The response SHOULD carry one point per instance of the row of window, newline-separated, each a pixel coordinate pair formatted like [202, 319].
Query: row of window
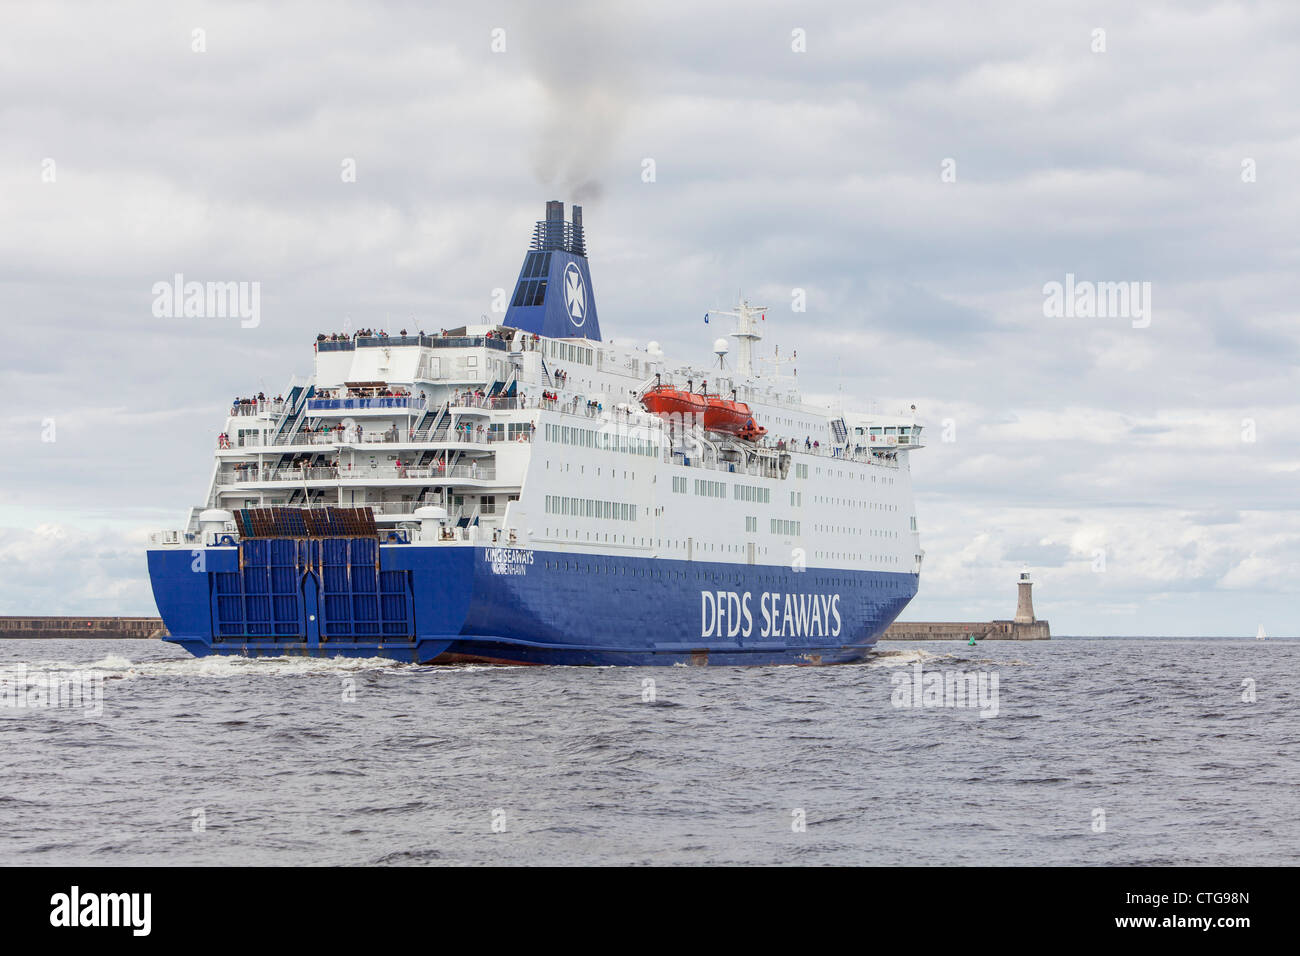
[781, 526]
[857, 556]
[752, 493]
[839, 473]
[710, 489]
[718, 489]
[568, 352]
[592, 438]
[889, 430]
[853, 503]
[512, 430]
[590, 508]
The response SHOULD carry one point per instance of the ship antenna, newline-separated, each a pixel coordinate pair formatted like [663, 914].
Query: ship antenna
[746, 333]
[776, 362]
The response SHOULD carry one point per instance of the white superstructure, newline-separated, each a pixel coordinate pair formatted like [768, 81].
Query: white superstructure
[543, 443]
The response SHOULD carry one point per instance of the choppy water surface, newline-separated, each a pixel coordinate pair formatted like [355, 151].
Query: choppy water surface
[581, 769]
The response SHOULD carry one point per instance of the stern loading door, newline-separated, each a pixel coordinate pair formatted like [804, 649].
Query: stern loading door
[359, 602]
[262, 598]
[309, 590]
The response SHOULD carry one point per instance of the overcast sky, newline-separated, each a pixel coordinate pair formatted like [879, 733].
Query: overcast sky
[922, 170]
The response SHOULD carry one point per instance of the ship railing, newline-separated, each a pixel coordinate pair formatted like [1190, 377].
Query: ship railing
[355, 403]
[697, 458]
[492, 402]
[229, 536]
[398, 509]
[163, 539]
[392, 509]
[252, 409]
[427, 341]
[472, 470]
[425, 472]
[481, 436]
[334, 437]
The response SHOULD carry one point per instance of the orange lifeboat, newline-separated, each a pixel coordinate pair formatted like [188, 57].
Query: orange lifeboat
[665, 400]
[724, 415]
[715, 412]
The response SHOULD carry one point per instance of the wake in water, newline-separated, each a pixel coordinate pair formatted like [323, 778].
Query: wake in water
[115, 667]
[902, 658]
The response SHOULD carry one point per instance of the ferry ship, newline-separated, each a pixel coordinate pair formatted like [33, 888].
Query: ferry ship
[526, 492]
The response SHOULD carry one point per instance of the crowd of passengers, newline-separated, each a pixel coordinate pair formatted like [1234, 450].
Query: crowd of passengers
[527, 341]
[388, 391]
[257, 399]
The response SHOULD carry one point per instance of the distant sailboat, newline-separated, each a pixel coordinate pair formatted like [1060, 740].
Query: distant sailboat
[1260, 635]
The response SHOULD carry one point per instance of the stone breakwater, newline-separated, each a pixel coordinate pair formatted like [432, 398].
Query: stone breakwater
[962, 631]
[65, 627]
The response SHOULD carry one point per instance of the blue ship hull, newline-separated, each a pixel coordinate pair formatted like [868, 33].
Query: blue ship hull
[357, 598]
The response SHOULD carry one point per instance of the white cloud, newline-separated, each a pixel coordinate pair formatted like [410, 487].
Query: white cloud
[775, 170]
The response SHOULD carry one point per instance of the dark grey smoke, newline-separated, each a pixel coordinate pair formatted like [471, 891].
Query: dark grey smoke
[580, 56]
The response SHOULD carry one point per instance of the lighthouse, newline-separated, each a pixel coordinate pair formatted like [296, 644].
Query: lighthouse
[1025, 601]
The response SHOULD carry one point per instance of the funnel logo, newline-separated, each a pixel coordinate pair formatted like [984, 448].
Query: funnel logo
[575, 295]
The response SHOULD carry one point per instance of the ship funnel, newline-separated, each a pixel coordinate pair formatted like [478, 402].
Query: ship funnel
[578, 245]
[553, 295]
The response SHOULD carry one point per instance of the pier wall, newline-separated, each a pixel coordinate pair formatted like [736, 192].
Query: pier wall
[152, 627]
[65, 627]
[963, 630]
